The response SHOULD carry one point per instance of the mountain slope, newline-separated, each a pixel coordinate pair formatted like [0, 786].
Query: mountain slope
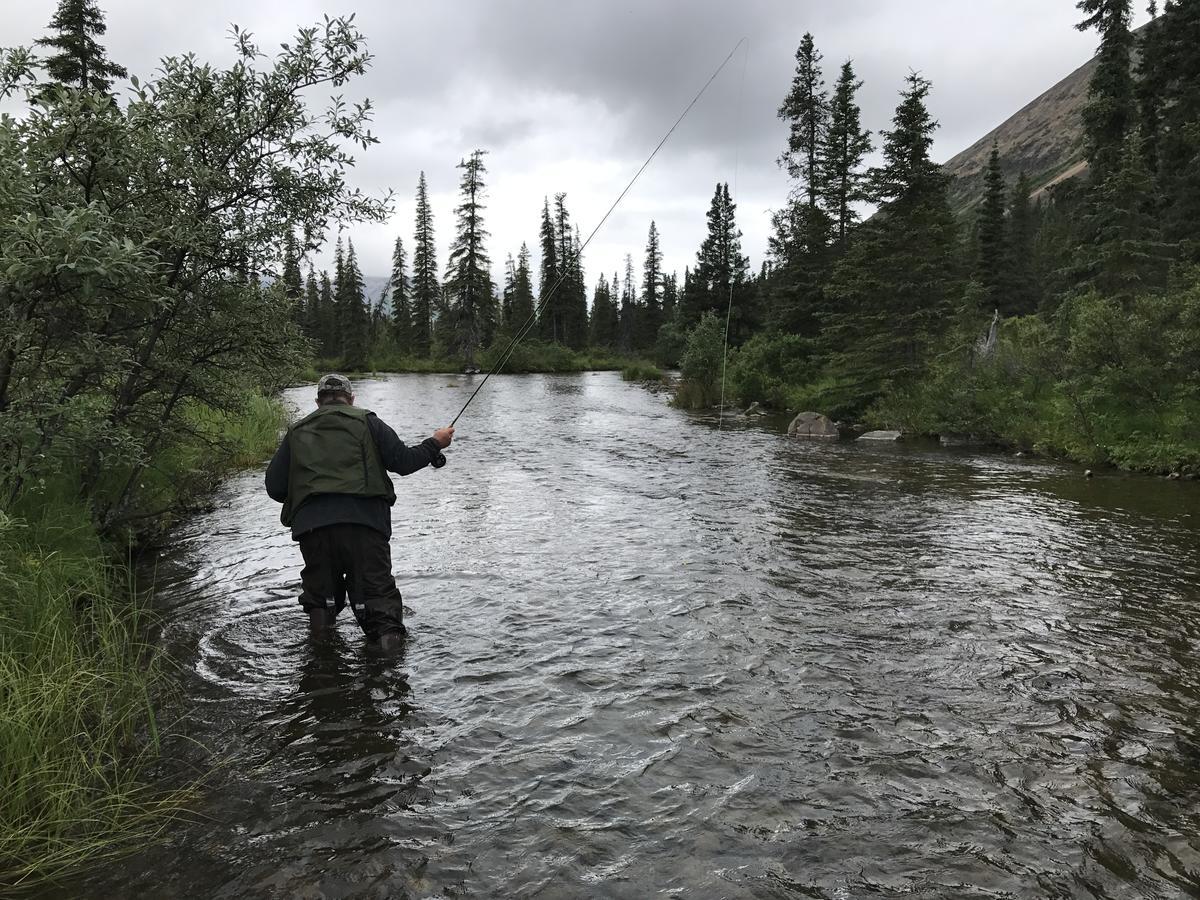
[1044, 140]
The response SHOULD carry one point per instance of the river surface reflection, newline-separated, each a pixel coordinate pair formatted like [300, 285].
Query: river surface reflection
[650, 656]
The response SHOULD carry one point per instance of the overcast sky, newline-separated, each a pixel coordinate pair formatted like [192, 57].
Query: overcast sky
[572, 96]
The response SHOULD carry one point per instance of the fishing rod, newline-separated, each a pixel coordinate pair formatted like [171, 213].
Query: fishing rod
[547, 294]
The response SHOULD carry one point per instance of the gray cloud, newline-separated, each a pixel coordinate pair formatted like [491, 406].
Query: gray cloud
[571, 96]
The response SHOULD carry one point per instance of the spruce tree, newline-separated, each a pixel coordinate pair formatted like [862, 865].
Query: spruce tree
[627, 338]
[908, 176]
[1110, 111]
[327, 331]
[571, 295]
[469, 283]
[652, 275]
[336, 317]
[506, 295]
[400, 290]
[992, 254]
[1174, 67]
[550, 323]
[670, 297]
[293, 283]
[1023, 297]
[892, 292]
[802, 228]
[604, 324]
[81, 62]
[1149, 86]
[720, 265]
[522, 294]
[806, 110]
[426, 288]
[354, 316]
[1128, 255]
[312, 309]
[843, 179]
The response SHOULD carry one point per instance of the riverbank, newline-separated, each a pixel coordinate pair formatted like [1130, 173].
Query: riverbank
[527, 358]
[1097, 380]
[78, 675]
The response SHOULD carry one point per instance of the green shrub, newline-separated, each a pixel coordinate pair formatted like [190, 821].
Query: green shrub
[770, 368]
[1100, 381]
[700, 368]
[669, 345]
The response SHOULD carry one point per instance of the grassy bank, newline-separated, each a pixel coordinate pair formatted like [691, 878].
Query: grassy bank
[529, 356]
[1097, 380]
[78, 679]
[1101, 382]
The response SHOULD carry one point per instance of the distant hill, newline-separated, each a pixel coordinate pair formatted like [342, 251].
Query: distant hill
[1044, 140]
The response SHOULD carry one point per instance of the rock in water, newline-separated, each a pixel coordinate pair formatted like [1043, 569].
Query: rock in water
[812, 425]
[881, 436]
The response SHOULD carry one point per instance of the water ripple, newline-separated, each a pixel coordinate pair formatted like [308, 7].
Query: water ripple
[653, 656]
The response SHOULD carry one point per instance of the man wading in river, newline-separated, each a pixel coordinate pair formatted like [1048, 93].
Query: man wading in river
[330, 474]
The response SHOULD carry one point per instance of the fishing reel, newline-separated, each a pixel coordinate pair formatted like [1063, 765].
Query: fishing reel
[439, 460]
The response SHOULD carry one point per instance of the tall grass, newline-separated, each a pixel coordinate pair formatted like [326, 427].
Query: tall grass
[641, 371]
[242, 437]
[209, 444]
[77, 729]
[78, 675]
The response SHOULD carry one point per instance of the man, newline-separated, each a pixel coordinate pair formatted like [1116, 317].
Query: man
[330, 474]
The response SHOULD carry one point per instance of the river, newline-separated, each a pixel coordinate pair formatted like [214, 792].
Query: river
[653, 656]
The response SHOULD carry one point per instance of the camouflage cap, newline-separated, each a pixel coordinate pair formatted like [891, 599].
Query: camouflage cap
[335, 382]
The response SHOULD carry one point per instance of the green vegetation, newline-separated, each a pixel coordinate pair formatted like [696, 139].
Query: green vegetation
[76, 680]
[78, 676]
[1099, 381]
[156, 244]
[641, 371]
[700, 369]
[148, 253]
[1066, 324]
[530, 355]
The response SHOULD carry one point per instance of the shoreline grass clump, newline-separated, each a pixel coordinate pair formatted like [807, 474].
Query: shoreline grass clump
[641, 371]
[79, 673]
[77, 678]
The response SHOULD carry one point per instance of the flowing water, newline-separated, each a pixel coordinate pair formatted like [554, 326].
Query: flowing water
[648, 656]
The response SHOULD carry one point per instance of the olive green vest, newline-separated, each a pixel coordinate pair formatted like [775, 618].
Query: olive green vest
[333, 453]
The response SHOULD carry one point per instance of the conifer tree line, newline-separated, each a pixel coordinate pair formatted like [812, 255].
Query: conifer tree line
[420, 315]
[871, 281]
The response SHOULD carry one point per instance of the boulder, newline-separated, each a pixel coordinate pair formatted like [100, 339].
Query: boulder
[880, 436]
[813, 425]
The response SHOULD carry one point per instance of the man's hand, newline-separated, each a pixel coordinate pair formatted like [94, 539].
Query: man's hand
[443, 436]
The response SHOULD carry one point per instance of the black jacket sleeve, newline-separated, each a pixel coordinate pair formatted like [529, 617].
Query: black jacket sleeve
[278, 471]
[395, 455]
